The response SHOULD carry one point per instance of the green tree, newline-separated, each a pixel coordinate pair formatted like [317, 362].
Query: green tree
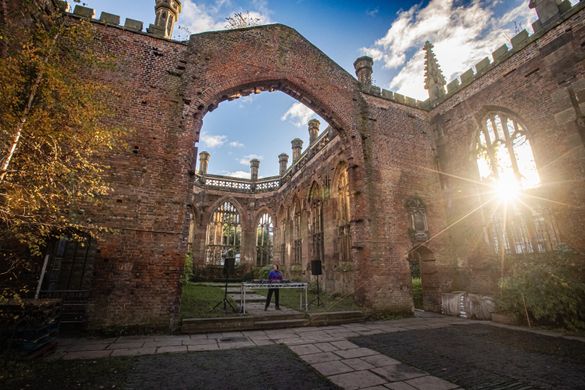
[53, 128]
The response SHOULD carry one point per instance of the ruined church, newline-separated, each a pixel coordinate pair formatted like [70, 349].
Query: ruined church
[387, 184]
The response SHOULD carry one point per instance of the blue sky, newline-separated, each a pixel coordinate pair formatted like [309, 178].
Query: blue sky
[392, 32]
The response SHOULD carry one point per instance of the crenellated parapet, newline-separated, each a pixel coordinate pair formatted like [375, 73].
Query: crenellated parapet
[112, 20]
[550, 12]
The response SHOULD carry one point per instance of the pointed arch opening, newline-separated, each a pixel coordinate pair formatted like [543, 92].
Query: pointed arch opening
[518, 223]
[264, 240]
[224, 234]
[342, 213]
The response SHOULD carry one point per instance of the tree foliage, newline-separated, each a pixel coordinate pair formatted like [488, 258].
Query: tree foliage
[549, 287]
[53, 126]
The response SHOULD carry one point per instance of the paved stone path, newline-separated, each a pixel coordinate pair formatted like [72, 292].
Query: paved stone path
[326, 349]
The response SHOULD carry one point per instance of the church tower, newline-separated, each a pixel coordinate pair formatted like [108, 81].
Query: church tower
[167, 14]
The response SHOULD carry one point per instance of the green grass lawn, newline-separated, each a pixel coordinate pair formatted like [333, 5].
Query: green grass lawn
[290, 299]
[197, 301]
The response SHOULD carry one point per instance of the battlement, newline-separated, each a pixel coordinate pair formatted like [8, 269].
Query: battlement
[109, 19]
[507, 50]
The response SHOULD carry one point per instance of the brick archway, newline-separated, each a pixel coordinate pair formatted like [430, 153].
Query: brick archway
[144, 262]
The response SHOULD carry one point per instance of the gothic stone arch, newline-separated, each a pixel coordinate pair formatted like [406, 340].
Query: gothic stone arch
[167, 88]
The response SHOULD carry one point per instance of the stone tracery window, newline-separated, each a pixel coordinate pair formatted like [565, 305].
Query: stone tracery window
[418, 230]
[316, 204]
[506, 162]
[264, 240]
[504, 153]
[343, 216]
[224, 232]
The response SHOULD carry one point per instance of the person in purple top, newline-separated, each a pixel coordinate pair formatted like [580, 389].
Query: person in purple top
[275, 276]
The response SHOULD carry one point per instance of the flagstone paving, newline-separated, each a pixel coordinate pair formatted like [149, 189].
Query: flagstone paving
[365, 361]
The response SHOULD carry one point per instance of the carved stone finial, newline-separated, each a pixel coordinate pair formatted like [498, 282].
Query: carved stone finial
[363, 69]
[313, 130]
[434, 79]
[545, 9]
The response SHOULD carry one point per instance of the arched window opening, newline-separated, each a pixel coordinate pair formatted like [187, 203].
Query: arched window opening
[297, 240]
[505, 158]
[506, 163]
[224, 233]
[343, 216]
[264, 240]
[316, 203]
[523, 231]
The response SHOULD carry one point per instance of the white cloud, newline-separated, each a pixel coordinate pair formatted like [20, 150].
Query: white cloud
[246, 159]
[213, 141]
[298, 114]
[236, 144]
[239, 174]
[198, 17]
[462, 33]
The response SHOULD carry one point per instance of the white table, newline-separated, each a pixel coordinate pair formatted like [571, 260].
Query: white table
[267, 285]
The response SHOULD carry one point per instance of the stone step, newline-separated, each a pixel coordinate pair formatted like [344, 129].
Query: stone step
[279, 324]
[336, 318]
[239, 323]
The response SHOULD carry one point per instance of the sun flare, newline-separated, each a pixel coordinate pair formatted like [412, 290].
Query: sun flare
[507, 190]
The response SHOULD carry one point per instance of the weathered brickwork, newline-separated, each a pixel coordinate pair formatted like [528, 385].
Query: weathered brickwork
[391, 147]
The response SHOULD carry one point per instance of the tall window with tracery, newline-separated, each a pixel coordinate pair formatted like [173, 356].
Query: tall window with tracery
[224, 232]
[297, 240]
[317, 244]
[343, 216]
[507, 167]
[264, 240]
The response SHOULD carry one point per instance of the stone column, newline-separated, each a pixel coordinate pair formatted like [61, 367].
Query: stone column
[297, 148]
[313, 130]
[203, 163]
[283, 162]
[363, 69]
[254, 167]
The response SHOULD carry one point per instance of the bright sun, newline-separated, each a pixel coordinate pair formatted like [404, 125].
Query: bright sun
[507, 190]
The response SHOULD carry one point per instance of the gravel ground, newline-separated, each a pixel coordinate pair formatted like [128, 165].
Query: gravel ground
[487, 357]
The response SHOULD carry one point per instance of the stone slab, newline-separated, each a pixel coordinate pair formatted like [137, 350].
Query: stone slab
[380, 360]
[358, 364]
[431, 383]
[305, 349]
[320, 357]
[357, 380]
[399, 372]
[356, 353]
[332, 368]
